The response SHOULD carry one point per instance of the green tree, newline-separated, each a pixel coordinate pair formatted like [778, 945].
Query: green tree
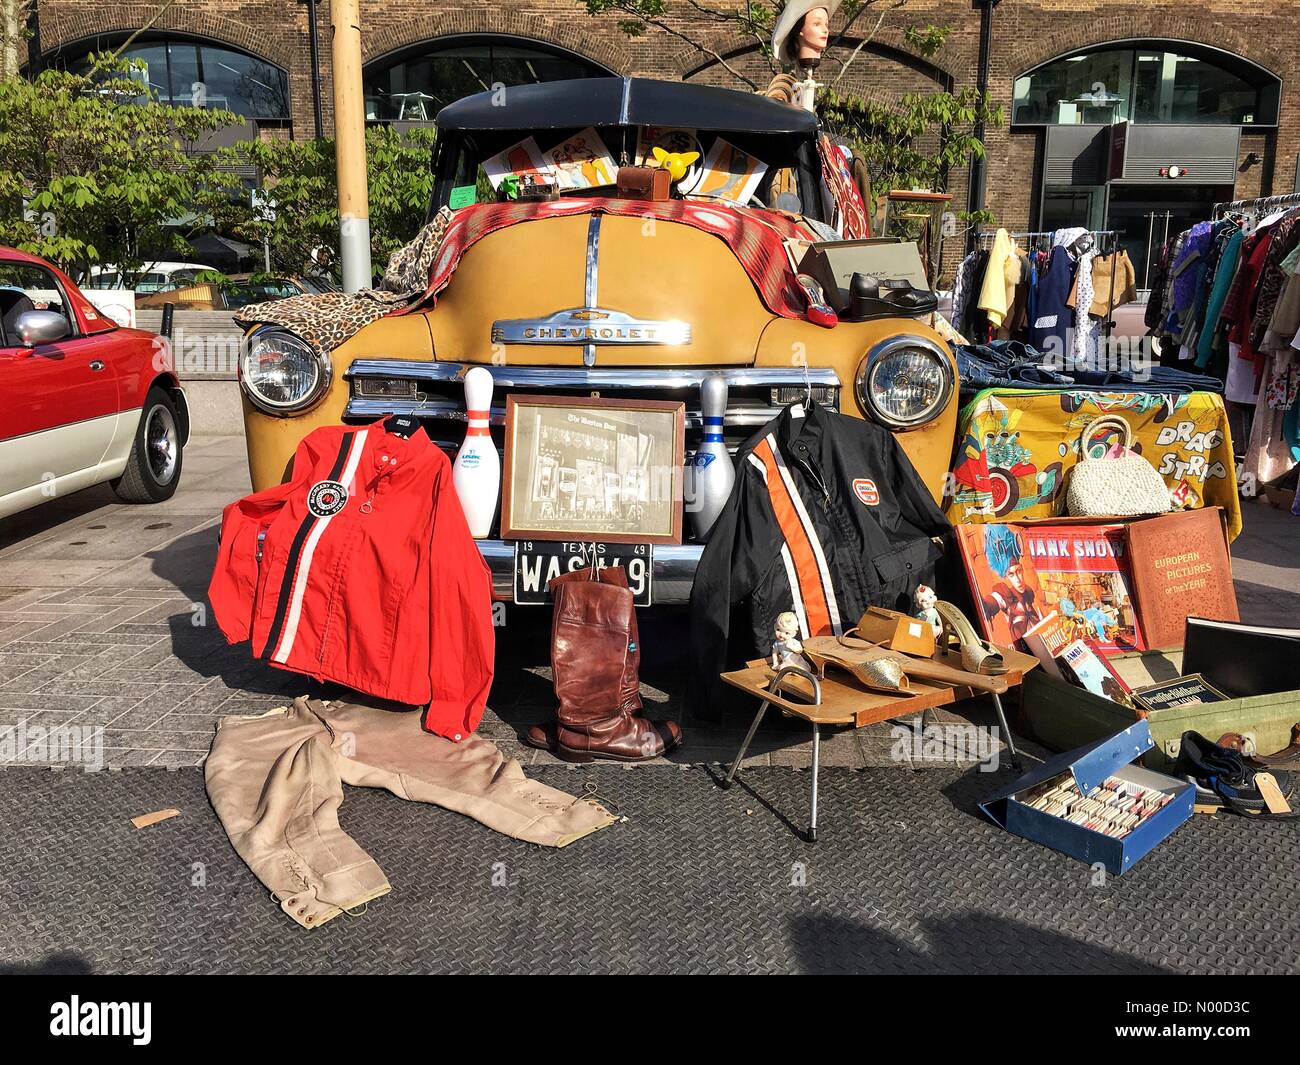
[301, 220]
[916, 140]
[94, 169]
[749, 22]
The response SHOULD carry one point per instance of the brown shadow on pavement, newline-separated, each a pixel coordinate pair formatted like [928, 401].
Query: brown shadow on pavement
[186, 563]
[63, 963]
[969, 943]
[41, 519]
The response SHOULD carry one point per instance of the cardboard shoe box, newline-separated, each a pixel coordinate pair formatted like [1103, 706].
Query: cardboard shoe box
[833, 264]
[1090, 767]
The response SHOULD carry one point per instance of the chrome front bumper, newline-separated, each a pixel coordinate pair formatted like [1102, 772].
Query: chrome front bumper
[673, 570]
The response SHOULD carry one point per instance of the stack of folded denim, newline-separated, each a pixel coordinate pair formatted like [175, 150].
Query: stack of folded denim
[1013, 364]
[1004, 364]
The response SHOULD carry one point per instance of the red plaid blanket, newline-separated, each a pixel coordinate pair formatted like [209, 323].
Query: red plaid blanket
[755, 238]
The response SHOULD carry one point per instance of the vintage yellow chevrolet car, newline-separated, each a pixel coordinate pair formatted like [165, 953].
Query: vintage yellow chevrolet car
[674, 305]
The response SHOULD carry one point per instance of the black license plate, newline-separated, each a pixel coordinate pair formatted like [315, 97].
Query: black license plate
[537, 562]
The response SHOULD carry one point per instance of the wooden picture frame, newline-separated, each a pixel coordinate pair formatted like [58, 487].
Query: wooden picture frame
[593, 469]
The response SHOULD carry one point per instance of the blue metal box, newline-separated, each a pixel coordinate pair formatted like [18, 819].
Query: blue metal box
[1090, 766]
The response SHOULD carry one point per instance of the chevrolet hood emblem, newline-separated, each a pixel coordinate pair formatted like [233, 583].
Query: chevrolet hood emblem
[590, 325]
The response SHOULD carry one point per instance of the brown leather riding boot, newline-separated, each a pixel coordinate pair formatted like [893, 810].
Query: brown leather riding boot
[544, 736]
[629, 692]
[595, 660]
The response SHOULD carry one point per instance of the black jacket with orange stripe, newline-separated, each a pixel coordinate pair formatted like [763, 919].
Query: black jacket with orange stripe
[827, 517]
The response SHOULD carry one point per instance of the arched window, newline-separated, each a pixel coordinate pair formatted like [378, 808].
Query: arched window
[1147, 82]
[191, 71]
[413, 85]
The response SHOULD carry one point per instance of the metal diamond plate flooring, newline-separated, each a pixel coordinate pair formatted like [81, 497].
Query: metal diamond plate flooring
[907, 878]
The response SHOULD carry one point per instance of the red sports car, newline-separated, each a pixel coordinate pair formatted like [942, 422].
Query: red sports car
[82, 400]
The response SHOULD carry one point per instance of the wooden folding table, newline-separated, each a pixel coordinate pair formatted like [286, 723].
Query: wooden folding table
[837, 699]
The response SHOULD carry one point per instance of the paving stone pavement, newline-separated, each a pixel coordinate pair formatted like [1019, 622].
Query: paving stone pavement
[103, 625]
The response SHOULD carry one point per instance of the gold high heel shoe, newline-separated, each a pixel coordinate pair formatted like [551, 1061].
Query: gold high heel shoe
[874, 667]
[884, 670]
[977, 655]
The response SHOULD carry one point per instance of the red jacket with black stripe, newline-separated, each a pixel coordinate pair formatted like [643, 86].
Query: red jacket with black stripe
[361, 570]
[827, 517]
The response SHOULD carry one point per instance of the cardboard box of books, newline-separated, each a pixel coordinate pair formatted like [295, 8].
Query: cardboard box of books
[1180, 695]
[1106, 606]
[1093, 804]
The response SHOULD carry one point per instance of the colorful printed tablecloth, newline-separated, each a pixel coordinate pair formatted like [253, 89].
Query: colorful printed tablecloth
[1016, 447]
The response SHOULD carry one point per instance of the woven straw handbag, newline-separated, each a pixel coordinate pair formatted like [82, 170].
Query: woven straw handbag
[1125, 486]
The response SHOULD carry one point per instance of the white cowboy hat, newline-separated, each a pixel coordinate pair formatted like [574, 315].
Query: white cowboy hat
[791, 15]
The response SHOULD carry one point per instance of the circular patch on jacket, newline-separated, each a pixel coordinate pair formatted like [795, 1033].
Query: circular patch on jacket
[865, 489]
[326, 498]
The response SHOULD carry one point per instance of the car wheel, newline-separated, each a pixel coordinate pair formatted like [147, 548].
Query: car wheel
[153, 471]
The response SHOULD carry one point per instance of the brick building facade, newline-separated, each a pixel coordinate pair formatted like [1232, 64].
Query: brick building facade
[1033, 171]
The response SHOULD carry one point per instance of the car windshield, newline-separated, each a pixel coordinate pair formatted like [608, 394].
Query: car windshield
[153, 281]
[726, 167]
[245, 293]
[317, 284]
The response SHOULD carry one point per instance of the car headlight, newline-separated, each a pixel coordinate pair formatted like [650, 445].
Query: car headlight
[282, 374]
[905, 381]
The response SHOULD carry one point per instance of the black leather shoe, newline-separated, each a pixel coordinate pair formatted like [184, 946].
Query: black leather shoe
[1224, 780]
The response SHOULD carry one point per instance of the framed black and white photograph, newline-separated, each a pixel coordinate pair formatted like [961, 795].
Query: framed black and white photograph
[597, 470]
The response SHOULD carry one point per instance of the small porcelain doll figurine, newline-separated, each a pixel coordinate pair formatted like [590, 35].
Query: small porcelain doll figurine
[786, 648]
[925, 600]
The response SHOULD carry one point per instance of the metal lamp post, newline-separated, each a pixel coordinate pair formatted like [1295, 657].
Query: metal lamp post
[350, 144]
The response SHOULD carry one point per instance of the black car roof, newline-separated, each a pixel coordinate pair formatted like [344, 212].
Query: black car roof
[624, 102]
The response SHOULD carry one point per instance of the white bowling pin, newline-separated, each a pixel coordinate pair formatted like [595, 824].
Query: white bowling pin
[712, 472]
[477, 471]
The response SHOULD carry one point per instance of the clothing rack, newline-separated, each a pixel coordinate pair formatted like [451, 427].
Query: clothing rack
[1104, 242]
[1264, 204]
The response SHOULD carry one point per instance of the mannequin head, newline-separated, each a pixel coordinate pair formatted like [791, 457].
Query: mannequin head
[803, 31]
[812, 35]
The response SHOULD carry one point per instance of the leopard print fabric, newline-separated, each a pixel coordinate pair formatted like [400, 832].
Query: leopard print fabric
[327, 320]
[408, 269]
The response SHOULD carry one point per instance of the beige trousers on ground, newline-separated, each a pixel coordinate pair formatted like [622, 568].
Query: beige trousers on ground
[276, 782]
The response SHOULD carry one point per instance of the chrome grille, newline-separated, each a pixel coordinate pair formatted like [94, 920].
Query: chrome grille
[755, 394]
